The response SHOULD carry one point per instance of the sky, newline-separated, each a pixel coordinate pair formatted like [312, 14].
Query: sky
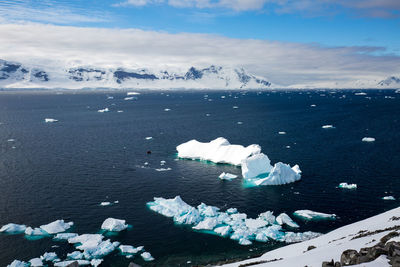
[287, 41]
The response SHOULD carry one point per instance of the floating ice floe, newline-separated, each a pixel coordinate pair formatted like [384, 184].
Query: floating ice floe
[55, 227]
[76, 255]
[280, 174]
[110, 97]
[329, 126]
[101, 250]
[96, 262]
[167, 109]
[120, 111]
[149, 138]
[227, 176]
[163, 169]
[368, 139]
[13, 228]
[86, 240]
[230, 224]
[11, 140]
[114, 225]
[35, 232]
[66, 263]
[129, 98]
[132, 93]
[17, 263]
[49, 256]
[313, 215]
[126, 249]
[313, 105]
[239, 122]
[217, 151]
[50, 120]
[362, 93]
[105, 203]
[147, 256]
[103, 110]
[347, 186]
[388, 198]
[36, 262]
[281, 132]
[235, 107]
[64, 236]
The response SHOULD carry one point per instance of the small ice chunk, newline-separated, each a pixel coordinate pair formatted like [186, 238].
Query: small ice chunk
[227, 176]
[329, 126]
[11, 140]
[49, 256]
[65, 236]
[163, 169]
[147, 256]
[36, 231]
[239, 122]
[129, 98]
[103, 110]
[347, 186]
[66, 263]
[362, 93]
[232, 210]
[281, 132]
[149, 138]
[13, 228]
[223, 230]
[56, 227]
[96, 262]
[120, 111]
[313, 105]
[256, 165]
[36, 262]
[313, 215]
[167, 109]
[76, 255]
[235, 107]
[114, 225]
[267, 216]
[130, 249]
[368, 139]
[283, 218]
[132, 93]
[105, 203]
[50, 120]
[17, 263]
[245, 242]
[208, 223]
[110, 97]
[388, 198]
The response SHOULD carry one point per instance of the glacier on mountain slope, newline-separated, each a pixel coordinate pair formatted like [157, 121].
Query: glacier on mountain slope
[230, 223]
[256, 166]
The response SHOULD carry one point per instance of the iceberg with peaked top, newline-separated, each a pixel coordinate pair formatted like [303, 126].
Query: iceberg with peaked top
[114, 225]
[281, 174]
[256, 165]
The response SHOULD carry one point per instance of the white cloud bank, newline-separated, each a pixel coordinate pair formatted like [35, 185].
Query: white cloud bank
[286, 64]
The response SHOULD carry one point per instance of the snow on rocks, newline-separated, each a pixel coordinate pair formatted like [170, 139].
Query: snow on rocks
[48, 120]
[114, 225]
[256, 166]
[55, 227]
[210, 220]
[368, 139]
[347, 186]
[313, 215]
[227, 176]
[13, 228]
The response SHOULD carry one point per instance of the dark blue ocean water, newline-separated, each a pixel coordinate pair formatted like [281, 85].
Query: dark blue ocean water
[64, 170]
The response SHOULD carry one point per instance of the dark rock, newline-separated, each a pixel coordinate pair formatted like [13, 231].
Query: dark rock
[349, 257]
[328, 263]
[133, 265]
[311, 247]
[73, 264]
[389, 236]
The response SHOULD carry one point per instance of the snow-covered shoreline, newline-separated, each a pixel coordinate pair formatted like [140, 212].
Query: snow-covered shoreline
[365, 233]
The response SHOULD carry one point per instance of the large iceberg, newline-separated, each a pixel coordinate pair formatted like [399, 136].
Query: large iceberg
[256, 166]
[13, 228]
[55, 227]
[313, 215]
[217, 151]
[114, 225]
[236, 226]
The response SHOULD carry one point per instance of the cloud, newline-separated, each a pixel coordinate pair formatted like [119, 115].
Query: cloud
[283, 63]
[368, 8]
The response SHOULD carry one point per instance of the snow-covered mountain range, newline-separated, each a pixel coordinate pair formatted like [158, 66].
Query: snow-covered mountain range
[17, 75]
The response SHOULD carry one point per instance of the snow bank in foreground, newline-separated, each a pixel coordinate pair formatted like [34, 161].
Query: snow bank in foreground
[331, 245]
[256, 166]
[230, 224]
